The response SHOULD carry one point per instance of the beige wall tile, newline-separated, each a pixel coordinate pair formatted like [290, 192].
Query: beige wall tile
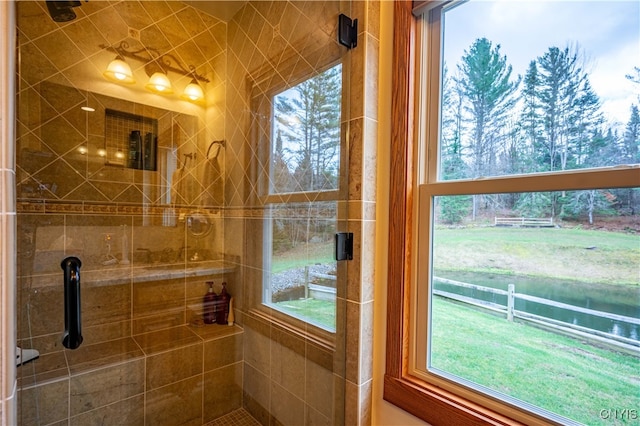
[44, 404]
[286, 408]
[319, 389]
[158, 296]
[173, 365]
[46, 368]
[222, 391]
[88, 357]
[223, 351]
[256, 390]
[288, 366]
[105, 386]
[127, 411]
[166, 339]
[257, 345]
[178, 403]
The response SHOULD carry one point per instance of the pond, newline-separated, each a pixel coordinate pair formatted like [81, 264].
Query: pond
[615, 299]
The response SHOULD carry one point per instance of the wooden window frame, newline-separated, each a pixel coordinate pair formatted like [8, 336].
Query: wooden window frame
[413, 394]
[434, 401]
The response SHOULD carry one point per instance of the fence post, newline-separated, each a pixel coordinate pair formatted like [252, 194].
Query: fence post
[510, 301]
[306, 282]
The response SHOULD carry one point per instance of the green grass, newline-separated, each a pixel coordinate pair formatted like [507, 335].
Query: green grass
[303, 255]
[557, 373]
[582, 255]
[319, 312]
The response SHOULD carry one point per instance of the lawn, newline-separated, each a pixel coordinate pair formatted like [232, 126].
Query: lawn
[305, 254]
[563, 375]
[557, 373]
[582, 255]
[319, 312]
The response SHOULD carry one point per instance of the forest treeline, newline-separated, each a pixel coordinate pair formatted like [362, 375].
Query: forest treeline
[495, 123]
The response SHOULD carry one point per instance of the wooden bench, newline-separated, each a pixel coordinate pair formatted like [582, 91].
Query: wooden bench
[524, 221]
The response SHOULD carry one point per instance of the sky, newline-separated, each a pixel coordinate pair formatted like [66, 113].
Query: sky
[608, 33]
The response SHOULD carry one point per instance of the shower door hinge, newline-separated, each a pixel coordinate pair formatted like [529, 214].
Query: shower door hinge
[344, 246]
[347, 31]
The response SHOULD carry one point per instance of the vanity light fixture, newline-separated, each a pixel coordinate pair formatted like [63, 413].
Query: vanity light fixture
[157, 65]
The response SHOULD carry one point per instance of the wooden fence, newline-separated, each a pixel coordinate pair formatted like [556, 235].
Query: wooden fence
[625, 343]
[316, 291]
[524, 221]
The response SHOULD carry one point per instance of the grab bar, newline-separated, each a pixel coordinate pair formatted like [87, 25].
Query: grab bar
[72, 337]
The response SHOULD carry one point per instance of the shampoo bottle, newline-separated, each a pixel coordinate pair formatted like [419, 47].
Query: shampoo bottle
[135, 150]
[209, 305]
[150, 146]
[223, 305]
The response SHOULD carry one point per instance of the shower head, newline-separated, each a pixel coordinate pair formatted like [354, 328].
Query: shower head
[61, 11]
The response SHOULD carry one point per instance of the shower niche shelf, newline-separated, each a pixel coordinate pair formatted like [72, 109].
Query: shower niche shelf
[106, 276]
[131, 140]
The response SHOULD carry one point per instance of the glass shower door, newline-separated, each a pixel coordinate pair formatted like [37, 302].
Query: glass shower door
[293, 198]
[277, 102]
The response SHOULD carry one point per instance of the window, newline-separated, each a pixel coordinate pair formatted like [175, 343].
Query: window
[522, 299]
[300, 277]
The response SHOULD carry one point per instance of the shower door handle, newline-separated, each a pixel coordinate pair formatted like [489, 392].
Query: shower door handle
[72, 337]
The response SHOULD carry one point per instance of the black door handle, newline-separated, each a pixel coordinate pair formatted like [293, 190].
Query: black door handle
[72, 337]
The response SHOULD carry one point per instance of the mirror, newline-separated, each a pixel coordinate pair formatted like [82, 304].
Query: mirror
[107, 150]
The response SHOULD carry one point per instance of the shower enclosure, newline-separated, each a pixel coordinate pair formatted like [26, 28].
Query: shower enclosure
[160, 194]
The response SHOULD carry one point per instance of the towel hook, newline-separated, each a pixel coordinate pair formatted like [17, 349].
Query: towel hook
[220, 142]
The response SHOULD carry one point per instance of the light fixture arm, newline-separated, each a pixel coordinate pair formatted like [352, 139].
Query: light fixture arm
[163, 61]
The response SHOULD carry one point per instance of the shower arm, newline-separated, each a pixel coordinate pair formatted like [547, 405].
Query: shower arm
[72, 337]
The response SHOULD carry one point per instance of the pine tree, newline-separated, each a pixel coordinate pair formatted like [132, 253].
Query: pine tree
[488, 90]
[281, 180]
[531, 121]
[630, 154]
[310, 126]
[569, 110]
[631, 140]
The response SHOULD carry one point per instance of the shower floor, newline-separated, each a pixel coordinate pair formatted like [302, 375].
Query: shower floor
[240, 417]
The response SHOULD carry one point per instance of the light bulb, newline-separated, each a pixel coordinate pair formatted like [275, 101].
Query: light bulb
[193, 92]
[159, 83]
[119, 71]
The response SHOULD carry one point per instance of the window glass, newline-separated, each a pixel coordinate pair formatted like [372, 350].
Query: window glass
[528, 219]
[306, 135]
[537, 86]
[537, 309]
[300, 279]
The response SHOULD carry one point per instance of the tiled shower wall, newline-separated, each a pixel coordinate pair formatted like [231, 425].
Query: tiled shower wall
[145, 356]
[295, 38]
[274, 45]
